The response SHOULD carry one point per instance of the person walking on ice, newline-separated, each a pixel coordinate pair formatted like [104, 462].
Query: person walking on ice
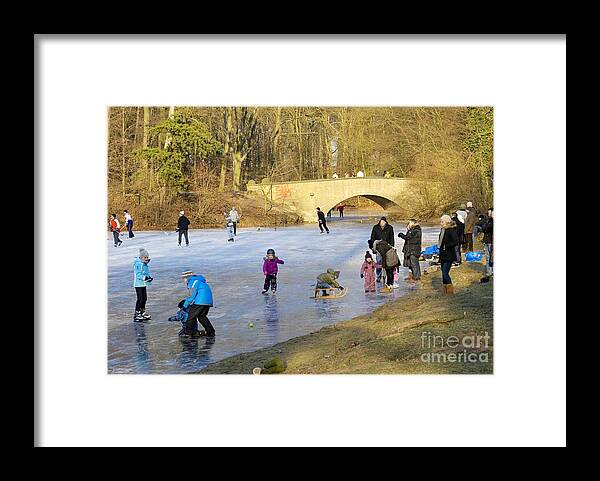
[197, 306]
[367, 272]
[115, 228]
[322, 221]
[182, 228]
[270, 270]
[129, 223]
[141, 280]
[235, 218]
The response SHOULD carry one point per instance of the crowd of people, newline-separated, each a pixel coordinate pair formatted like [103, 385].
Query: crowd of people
[458, 232]
[361, 173]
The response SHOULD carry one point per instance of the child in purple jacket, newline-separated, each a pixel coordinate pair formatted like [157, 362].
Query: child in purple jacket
[270, 270]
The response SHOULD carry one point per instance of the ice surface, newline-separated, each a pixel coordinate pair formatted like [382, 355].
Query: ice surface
[234, 272]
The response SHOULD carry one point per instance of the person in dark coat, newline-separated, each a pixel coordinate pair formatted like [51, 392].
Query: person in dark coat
[460, 230]
[488, 242]
[448, 241]
[412, 249]
[182, 227]
[470, 221]
[381, 231]
[381, 247]
[322, 220]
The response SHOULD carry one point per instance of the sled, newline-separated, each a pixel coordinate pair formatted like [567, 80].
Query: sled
[319, 294]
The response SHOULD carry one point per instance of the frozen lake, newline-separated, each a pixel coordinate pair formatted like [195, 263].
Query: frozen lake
[234, 272]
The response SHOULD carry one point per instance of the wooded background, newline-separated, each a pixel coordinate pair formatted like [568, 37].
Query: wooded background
[163, 159]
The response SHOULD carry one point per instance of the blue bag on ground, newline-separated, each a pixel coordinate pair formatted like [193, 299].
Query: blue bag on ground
[474, 256]
[431, 250]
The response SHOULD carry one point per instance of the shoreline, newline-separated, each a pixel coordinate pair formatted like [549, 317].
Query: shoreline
[358, 217]
[403, 336]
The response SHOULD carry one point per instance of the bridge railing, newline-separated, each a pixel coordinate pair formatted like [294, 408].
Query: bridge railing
[257, 184]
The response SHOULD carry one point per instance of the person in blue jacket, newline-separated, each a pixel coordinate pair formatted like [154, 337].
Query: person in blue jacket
[141, 279]
[197, 306]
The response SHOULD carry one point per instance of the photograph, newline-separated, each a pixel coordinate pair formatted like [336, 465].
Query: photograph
[300, 240]
[286, 231]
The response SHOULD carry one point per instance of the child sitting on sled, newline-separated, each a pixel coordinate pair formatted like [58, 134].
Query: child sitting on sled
[367, 272]
[328, 280]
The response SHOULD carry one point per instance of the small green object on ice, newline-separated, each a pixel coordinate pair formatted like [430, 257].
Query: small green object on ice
[251, 324]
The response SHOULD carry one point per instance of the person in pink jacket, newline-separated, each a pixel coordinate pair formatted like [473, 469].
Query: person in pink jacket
[270, 270]
[367, 272]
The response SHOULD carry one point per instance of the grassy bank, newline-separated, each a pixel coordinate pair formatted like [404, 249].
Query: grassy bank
[204, 209]
[394, 338]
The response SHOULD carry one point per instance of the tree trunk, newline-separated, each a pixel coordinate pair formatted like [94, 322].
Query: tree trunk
[238, 160]
[146, 125]
[223, 173]
[169, 137]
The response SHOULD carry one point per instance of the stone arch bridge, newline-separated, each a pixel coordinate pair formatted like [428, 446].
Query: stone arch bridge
[305, 196]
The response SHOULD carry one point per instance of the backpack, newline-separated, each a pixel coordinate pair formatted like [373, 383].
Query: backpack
[391, 258]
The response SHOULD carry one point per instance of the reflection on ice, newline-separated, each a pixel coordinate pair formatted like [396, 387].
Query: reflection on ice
[245, 319]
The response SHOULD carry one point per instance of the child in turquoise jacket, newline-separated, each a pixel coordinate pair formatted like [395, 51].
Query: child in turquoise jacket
[141, 279]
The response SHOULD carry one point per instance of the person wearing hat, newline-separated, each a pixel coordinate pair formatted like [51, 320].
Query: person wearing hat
[197, 305]
[470, 222]
[367, 272]
[322, 220]
[141, 279]
[182, 228]
[381, 231]
[270, 270]
[389, 263]
[327, 280]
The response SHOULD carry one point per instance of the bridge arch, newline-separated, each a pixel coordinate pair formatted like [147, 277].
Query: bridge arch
[306, 196]
[383, 202]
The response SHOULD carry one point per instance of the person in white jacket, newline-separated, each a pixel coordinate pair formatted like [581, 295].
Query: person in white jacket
[235, 218]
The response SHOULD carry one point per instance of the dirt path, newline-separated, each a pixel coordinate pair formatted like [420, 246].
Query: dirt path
[404, 336]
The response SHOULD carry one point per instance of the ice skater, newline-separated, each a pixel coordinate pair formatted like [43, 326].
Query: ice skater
[367, 272]
[182, 228]
[115, 228]
[270, 270]
[230, 228]
[196, 306]
[235, 218]
[141, 279]
[129, 223]
[322, 221]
